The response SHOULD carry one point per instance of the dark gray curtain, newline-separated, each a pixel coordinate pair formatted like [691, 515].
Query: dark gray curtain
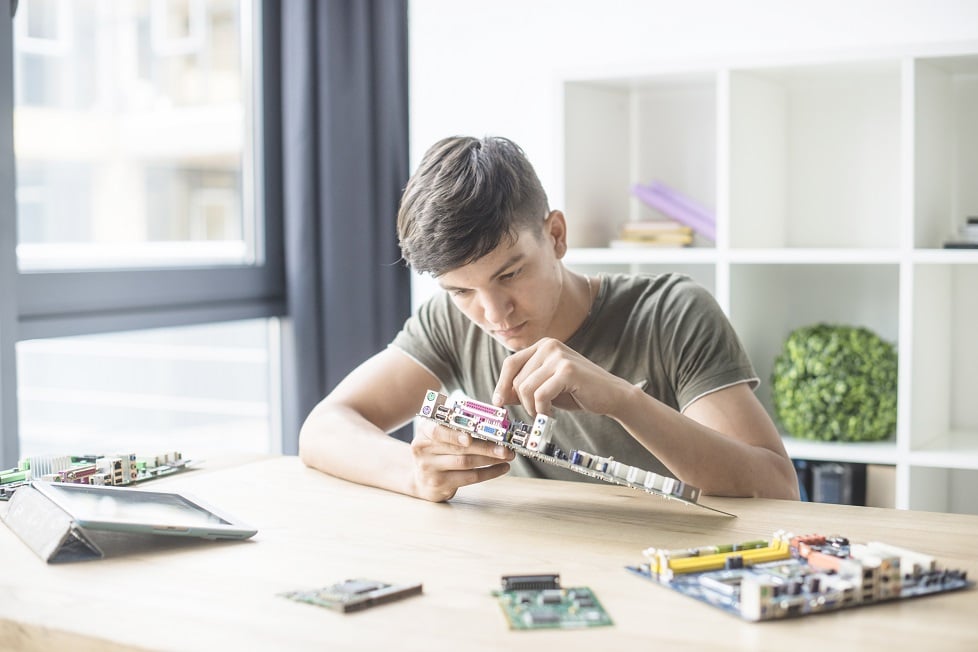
[344, 162]
[9, 443]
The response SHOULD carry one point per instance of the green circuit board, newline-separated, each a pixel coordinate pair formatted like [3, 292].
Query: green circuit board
[539, 602]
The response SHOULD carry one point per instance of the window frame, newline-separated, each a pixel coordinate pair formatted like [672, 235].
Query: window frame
[41, 304]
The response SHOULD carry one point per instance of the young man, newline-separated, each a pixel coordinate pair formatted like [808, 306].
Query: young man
[643, 368]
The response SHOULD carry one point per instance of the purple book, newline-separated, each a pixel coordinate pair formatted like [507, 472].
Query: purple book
[677, 206]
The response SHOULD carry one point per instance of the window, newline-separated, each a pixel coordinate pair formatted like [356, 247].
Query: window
[202, 390]
[134, 133]
[144, 256]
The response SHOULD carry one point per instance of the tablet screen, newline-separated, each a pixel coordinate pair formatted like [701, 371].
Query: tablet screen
[87, 503]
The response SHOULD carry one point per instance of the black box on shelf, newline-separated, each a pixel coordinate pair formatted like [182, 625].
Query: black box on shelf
[840, 483]
[804, 472]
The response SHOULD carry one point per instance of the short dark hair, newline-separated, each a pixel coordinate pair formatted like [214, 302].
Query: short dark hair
[465, 197]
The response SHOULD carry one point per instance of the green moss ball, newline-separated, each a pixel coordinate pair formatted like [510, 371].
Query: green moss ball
[836, 383]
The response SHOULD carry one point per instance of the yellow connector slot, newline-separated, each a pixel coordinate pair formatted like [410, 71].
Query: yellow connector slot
[777, 550]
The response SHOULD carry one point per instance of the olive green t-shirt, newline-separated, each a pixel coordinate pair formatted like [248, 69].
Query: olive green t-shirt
[663, 331]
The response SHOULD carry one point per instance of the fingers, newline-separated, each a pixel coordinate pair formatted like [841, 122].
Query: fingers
[434, 439]
[445, 460]
[527, 386]
[433, 459]
[540, 377]
[550, 389]
[505, 391]
[488, 473]
[442, 486]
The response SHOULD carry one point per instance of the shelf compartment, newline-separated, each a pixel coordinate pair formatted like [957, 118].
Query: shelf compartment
[814, 256]
[945, 256]
[767, 302]
[945, 147]
[943, 409]
[939, 489]
[876, 452]
[650, 256]
[621, 132]
[815, 156]
[954, 449]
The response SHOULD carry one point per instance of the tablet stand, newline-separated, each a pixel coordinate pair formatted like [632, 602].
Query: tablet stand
[47, 529]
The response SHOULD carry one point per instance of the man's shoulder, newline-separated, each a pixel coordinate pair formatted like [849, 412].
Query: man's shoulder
[633, 287]
[656, 300]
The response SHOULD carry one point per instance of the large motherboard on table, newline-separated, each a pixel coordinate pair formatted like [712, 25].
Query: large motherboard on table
[110, 469]
[792, 575]
[535, 440]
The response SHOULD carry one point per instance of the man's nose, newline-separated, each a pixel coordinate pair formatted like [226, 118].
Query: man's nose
[496, 306]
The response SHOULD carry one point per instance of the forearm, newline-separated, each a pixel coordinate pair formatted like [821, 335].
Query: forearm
[339, 441]
[706, 458]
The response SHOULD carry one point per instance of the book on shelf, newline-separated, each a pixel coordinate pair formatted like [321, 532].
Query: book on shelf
[676, 206]
[660, 238]
[643, 227]
[969, 231]
[967, 236]
[653, 233]
[620, 243]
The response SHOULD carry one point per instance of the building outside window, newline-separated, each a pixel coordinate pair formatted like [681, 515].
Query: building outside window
[133, 125]
[137, 137]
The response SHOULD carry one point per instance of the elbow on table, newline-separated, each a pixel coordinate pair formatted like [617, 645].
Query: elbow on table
[784, 486]
[778, 481]
[313, 449]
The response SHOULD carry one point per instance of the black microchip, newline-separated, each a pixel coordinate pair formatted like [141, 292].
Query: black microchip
[353, 587]
[530, 582]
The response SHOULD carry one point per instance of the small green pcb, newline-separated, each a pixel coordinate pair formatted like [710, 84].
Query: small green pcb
[536, 605]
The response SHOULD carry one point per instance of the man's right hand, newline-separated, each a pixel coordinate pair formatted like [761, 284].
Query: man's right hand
[446, 459]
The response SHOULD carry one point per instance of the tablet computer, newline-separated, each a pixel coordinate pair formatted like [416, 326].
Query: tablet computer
[122, 509]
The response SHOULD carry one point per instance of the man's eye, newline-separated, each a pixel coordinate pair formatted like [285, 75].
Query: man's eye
[511, 275]
[459, 293]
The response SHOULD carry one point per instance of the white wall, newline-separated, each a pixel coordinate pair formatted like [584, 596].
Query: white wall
[483, 67]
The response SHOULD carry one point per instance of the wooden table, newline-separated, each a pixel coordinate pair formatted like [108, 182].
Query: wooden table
[315, 530]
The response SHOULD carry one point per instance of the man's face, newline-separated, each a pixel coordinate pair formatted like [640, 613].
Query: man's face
[514, 292]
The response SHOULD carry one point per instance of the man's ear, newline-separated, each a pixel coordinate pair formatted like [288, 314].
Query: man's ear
[556, 228]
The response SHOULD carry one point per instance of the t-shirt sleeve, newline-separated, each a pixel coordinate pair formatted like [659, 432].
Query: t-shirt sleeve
[703, 349]
[427, 338]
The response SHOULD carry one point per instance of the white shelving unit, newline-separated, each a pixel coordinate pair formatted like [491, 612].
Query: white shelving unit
[835, 183]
